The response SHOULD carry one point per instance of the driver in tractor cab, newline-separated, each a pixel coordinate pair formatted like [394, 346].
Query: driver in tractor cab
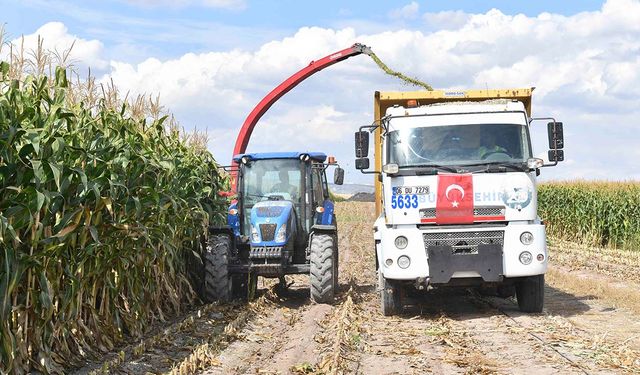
[284, 186]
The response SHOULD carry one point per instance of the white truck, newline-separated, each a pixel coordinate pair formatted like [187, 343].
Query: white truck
[456, 193]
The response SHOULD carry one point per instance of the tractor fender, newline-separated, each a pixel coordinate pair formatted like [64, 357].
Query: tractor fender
[320, 228]
[224, 229]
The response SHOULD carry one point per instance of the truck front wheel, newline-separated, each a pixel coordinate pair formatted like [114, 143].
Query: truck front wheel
[217, 280]
[530, 294]
[322, 273]
[390, 301]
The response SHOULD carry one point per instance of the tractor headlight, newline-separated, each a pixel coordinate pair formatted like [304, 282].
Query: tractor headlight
[281, 236]
[255, 236]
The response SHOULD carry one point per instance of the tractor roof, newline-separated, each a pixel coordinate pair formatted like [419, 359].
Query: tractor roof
[317, 156]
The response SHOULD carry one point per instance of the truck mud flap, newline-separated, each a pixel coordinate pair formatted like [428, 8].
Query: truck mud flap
[443, 263]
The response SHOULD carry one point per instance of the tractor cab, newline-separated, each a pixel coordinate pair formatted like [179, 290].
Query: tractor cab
[281, 223]
[280, 196]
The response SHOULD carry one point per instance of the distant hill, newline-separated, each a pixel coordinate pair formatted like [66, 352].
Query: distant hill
[351, 189]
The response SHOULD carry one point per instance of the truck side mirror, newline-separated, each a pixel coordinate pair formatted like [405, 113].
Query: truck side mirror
[338, 176]
[362, 144]
[362, 163]
[556, 155]
[556, 135]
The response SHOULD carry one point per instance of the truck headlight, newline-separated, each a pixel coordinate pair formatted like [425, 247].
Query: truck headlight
[255, 236]
[404, 262]
[526, 257]
[526, 238]
[401, 242]
[281, 236]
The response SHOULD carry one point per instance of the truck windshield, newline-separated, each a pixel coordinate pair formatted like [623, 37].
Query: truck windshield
[459, 145]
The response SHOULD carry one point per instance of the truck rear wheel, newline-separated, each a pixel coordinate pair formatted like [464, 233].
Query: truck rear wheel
[390, 300]
[530, 294]
[322, 273]
[217, 280]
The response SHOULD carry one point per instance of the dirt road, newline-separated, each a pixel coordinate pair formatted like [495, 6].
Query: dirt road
[580, 332]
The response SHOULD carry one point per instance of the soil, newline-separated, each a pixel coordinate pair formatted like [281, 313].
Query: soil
[440, 332]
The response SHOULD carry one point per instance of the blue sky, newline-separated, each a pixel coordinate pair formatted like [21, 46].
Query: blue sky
[211, 61]
[147, 24]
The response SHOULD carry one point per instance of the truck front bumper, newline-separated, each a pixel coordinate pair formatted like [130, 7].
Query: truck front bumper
[444, 252]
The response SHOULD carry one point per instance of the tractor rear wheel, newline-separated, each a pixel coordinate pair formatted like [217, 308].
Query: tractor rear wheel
[217, 280]
[322, 273]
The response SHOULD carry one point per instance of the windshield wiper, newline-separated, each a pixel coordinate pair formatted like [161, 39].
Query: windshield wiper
[423, 169]
[499, 166]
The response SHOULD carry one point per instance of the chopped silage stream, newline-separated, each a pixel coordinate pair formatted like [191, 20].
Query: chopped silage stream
[441, 333]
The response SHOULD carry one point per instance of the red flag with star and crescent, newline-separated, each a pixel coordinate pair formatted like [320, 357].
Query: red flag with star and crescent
[454, 204]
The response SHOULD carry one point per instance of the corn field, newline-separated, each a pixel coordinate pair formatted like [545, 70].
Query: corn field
[99, 213]
[594, 213]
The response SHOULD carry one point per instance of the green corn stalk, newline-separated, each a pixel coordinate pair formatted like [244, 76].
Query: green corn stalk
[99, 214]
[594, 213]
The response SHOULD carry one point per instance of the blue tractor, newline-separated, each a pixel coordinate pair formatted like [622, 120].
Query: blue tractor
[282, 223]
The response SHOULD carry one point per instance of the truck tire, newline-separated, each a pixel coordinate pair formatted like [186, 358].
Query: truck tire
[322, 271]
[217, 284]
[390, 300]
[530, 294]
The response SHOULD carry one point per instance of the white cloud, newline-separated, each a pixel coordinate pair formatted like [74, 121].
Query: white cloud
[56, 38]
[409, 11]
[222, 4]
[585, 68]
[446, 20]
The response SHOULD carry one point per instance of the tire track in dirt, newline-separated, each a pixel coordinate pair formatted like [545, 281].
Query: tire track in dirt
[441, 332]
[278, 340]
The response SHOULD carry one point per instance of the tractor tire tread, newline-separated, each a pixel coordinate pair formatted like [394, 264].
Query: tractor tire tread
[216, 273]
[322, 272]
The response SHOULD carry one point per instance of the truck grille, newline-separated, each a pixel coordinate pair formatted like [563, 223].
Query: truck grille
[267, 231]
[478, 212]
[463, 242]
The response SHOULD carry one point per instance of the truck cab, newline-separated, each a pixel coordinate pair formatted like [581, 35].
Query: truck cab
[458, 203]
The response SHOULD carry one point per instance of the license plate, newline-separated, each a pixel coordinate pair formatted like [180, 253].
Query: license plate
[404, 190]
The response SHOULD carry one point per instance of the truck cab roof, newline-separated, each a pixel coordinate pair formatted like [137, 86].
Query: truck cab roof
[316, 156]
[459, 107]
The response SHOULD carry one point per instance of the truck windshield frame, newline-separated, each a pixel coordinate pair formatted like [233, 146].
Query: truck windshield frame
[458, 145]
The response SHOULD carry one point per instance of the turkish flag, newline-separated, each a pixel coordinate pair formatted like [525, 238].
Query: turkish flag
[454, 204]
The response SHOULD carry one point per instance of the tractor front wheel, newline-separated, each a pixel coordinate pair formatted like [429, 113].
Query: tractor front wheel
[217, 280]
[322, 273]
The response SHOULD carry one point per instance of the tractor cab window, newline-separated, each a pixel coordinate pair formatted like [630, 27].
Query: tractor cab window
[278, 179]
[316, 176]
[272, 179]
